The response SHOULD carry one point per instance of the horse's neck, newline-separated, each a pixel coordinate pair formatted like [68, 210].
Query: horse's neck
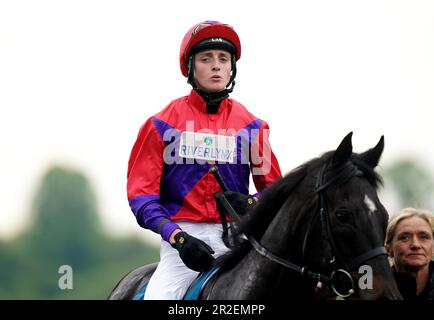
[279, 236]
[279, 240]
[258, 277]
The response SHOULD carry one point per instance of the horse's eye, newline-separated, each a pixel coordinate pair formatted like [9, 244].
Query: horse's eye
[343, 215]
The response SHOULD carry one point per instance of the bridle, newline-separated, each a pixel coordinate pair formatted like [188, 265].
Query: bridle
[336, 256]
[336, 273]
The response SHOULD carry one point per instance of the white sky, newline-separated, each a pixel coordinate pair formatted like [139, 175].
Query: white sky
[78, 78]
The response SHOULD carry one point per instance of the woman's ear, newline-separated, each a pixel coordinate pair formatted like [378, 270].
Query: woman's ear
[390, 254]
[390, 251]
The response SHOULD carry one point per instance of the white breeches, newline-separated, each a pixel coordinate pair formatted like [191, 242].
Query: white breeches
[172, 278]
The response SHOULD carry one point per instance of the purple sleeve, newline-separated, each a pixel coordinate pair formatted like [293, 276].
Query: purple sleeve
[257, 195]
[150, 214]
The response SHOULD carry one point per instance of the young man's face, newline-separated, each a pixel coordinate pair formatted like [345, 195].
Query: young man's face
[412, 245]
[212, 70]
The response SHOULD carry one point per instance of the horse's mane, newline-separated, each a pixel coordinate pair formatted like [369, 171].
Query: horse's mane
[273, 198]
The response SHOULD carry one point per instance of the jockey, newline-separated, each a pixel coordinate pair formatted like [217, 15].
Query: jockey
[170, 189]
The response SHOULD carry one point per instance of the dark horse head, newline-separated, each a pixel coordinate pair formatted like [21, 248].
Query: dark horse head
[321, 222]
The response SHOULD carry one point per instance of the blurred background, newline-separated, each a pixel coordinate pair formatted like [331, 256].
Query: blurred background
[78, 79]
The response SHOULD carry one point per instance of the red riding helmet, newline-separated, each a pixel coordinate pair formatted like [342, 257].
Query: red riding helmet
[209, 30]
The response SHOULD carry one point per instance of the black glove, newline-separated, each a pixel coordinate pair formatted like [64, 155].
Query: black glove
[195, 253]
[240, 202]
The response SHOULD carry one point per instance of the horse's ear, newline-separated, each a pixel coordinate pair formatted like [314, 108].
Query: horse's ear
[344, 151]
[372, 156]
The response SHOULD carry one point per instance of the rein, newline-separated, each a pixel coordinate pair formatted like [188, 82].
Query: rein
[331, 280]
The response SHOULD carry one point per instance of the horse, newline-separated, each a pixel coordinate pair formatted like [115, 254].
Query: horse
[321, 223]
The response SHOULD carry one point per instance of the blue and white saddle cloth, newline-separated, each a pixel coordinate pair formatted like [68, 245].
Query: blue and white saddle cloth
[192, 293]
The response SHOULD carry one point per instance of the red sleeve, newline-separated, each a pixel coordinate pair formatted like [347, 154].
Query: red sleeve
[145, 165]
[263, 163]
[145, 169]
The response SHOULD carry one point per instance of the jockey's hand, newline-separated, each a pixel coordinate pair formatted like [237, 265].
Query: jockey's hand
[240, 202]
[195, 253]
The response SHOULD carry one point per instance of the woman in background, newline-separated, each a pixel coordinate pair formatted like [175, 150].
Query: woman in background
[410, 245]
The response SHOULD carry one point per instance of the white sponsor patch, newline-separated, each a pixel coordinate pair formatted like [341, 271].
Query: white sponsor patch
[370, 204]
[205, 146]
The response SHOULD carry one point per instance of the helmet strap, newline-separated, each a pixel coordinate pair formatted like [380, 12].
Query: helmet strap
[231, 83]
[190, 72]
